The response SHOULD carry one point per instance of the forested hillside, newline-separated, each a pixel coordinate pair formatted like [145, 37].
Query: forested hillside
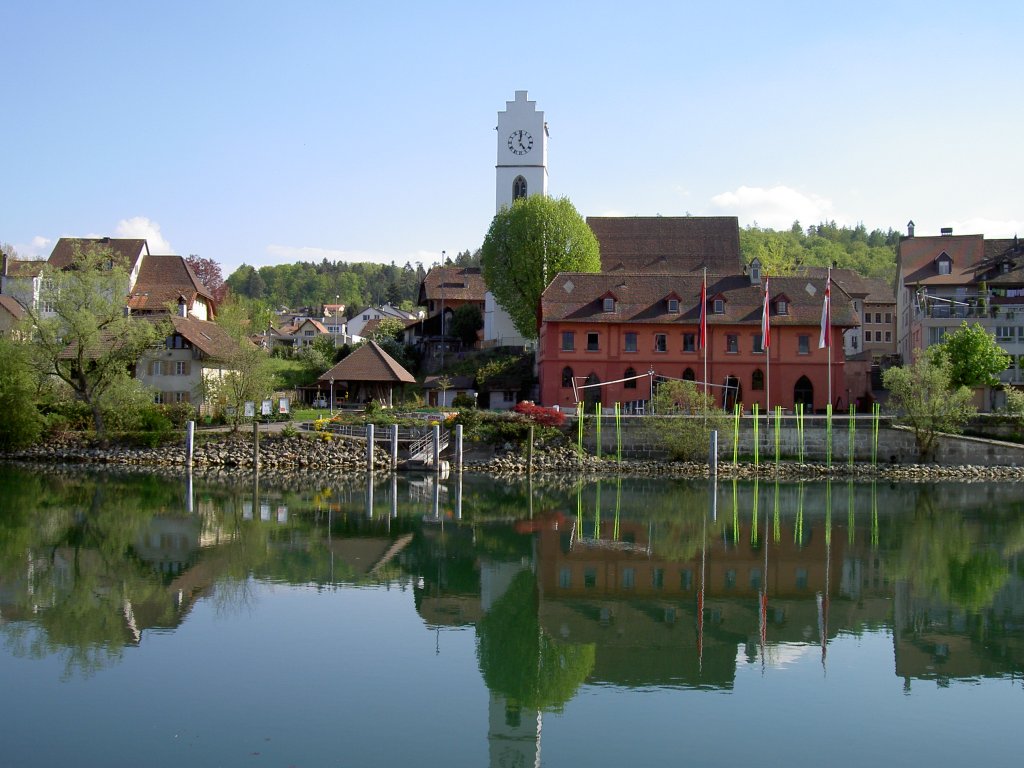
[357, 285]
[871, 254]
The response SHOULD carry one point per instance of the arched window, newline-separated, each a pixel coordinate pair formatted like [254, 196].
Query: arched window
[566, 377]
[689, 375]
[630, 382]
[518, 188]
[757, 380]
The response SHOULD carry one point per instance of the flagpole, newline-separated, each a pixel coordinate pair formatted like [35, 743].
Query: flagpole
[766, 338]
[828, 329]
[703, 330]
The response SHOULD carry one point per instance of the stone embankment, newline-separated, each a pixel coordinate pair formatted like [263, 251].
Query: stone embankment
[233, 452]
[306, 456]
[564, 460]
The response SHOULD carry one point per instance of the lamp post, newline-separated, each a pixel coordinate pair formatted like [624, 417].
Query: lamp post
[332, 396]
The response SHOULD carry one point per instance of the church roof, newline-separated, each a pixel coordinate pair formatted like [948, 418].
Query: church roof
[668, 244]
[369, 363]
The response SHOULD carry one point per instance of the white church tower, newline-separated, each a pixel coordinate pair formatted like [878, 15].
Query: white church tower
[522, 167]
[521, 170]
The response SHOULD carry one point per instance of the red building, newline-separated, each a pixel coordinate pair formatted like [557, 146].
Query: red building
[607, 328]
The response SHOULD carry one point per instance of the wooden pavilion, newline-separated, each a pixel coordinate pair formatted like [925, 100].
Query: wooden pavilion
[367, 374]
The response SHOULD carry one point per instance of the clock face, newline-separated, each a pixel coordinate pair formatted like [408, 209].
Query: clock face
[520, 142]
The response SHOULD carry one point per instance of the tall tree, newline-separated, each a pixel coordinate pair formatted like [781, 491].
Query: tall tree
[209, 273]
[247, 374]
[526, 246]
[82, 334]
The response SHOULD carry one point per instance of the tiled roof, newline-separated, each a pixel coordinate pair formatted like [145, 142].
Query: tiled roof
[916, 259]
[454, 382]
[879, 291]
[162, 280]
[208, 337]
[575, 297]
[24, 268]
[850, 281]
[369, 363]
[126, 251]
[455, 283]
[11, 306]
[668, 244]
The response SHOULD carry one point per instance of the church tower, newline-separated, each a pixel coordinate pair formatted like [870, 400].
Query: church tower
[522, 166]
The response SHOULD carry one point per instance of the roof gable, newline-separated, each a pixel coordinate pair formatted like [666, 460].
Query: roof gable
[369, 363]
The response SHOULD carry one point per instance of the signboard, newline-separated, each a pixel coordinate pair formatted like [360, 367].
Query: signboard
[250, 409]
[267, 408]
[282, 406]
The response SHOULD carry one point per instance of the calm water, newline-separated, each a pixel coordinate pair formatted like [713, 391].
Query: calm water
[154, 622]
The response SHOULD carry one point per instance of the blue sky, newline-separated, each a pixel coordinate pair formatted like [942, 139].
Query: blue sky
[258, 133]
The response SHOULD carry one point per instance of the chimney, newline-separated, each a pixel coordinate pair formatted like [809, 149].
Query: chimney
[3, 270]
[910, 228]
[946, 231]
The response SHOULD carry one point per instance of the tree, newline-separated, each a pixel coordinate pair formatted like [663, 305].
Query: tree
[82, 334]
[247, 374]
[975, 358]
[21, 423]
[209, 273]
[466, 321]
[684, 419]
[526, 246]
[923, 393]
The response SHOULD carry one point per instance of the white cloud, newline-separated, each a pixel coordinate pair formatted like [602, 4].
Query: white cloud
[986, 227]
[140, 226]
[37, 248]
[774, 208]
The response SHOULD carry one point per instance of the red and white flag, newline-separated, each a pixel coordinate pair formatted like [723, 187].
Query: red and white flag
[824, 339]
[766, 331]
[702, 337]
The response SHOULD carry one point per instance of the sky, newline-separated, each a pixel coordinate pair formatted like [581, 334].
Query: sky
[268, 133]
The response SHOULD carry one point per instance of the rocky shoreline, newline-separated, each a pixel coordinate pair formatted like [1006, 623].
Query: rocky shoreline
[289, 455]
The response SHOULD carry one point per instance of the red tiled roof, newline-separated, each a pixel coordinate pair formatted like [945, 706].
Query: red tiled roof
[453, 283]
[26, 268]
[668, 244]
[206, 336]
[162, 281]
[369, 363]
[574, 297]
[126, 252]
[11, 306]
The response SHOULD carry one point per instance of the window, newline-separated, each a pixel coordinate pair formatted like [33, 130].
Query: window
[673, 306]
[660, 342]
[689, 375]
[755, 578]
[366, 317]
[308, 333]
[589, 578]
[592, 339]
[628, 578]
[878, 318]
[1004, 333]
[630, 341]
[732, 343]
[568, 341]
[181, 397]
[608, 304]
[686, 580]
[944, 264]
[565, 577]
[801, 578]
[566, 377]
[630, 377]
[782, 307]
[658, 578]
[518, 188]
[508, 396]
[803, 345]
[689, 342]
[730, 579]
[888, 318]
[719, 307]
[181, 368]
[888, 335]
[156, 368]
[756, 344]
[757, 380]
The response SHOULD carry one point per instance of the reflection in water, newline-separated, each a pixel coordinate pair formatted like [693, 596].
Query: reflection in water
[632, 583]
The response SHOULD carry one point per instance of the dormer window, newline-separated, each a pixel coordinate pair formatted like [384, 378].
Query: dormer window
[755, 271]
[673, 306]
[718, 306]
[781, 307]
[944, 264]
[608, 304]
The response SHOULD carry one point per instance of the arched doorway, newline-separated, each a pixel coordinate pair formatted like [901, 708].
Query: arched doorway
[689, 375]
[592, 395]
[803, 392]
[733, 393]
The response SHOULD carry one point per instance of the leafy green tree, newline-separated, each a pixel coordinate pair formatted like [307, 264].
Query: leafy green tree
[526, 246]
[923, 393]
[388, 328]
[466, 321]
[81, 333]
[975, 358]
[247, 374]
[684, 419]
[21, 424]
